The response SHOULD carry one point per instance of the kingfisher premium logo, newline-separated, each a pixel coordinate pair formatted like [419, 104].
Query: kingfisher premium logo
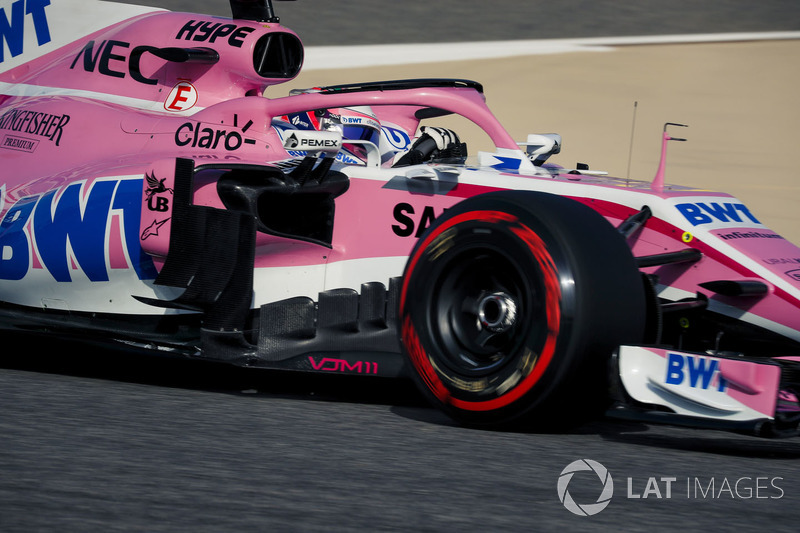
[29, 122]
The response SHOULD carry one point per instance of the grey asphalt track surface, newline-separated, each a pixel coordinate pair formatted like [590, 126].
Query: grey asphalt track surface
[92, 440]
[96, 443]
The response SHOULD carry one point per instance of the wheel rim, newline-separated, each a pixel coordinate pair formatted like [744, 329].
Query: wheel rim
[483, 309]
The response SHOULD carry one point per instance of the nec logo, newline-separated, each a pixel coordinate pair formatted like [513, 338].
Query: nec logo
[706, 213]
[696, 371]
[12, 31]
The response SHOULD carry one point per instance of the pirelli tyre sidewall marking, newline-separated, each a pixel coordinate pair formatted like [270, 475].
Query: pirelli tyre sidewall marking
[529, 366]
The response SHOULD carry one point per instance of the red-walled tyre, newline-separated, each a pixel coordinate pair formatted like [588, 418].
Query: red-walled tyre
[512, 303]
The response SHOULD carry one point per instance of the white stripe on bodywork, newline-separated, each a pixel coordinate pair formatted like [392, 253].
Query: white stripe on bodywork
[28, 90]
[273, 284]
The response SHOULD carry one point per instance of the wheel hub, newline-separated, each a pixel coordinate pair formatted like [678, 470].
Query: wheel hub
[497, 312]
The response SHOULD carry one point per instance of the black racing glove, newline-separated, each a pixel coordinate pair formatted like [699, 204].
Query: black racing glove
[435, 144]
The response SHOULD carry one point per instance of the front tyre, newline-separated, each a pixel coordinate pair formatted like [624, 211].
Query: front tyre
[512, 303]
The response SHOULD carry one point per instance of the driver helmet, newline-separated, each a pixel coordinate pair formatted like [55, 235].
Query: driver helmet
[357, 123]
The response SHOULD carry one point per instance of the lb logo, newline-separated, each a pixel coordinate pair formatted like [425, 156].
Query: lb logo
[586, 509]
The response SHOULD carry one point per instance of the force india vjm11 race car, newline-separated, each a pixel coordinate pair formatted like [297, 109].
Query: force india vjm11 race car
[153, 197]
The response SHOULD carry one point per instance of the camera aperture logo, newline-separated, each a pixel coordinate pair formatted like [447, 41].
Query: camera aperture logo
[585, 509]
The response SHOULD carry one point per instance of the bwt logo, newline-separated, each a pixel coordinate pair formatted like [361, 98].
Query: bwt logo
[699, 371]
[94, 228]
[705, 213]
[12, 31]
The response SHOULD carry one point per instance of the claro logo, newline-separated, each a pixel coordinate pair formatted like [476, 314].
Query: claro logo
[212, 137]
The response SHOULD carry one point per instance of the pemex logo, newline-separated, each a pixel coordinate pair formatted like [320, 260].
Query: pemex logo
[586, 509]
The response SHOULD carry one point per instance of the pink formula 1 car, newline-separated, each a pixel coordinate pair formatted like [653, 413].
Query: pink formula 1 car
[153, 197]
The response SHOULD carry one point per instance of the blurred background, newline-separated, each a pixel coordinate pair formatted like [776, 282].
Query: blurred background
[328, 22]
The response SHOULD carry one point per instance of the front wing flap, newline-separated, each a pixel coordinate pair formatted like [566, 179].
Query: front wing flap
[719, 391]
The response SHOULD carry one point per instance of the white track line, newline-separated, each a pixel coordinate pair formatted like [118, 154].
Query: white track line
[322, 57]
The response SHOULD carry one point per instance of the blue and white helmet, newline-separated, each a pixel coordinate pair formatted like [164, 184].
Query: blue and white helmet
[358, 123]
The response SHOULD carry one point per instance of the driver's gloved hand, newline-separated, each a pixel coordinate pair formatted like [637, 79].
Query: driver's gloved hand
[439, 144]
[443, 137]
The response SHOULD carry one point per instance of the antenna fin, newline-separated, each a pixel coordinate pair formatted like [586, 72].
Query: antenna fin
[658, 180]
